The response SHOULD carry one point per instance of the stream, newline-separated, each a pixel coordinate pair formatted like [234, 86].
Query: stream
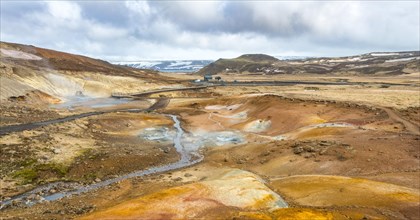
[186, 159]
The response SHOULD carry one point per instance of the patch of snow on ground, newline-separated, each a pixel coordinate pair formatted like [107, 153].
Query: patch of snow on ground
[353, 59]
[383, 54]
[222, 107]
[403, 59]
[140, 64]
[361, 66]
[180, 63]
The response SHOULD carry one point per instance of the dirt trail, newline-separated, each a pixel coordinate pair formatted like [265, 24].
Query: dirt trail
[215, 121]
[408, 125]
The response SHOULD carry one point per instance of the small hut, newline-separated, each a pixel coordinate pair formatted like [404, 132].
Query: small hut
[208, 77]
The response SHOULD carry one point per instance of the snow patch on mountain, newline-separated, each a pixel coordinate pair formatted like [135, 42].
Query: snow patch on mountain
[168, 65]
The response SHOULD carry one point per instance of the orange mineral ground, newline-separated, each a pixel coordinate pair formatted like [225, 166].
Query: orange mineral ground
[252, 145]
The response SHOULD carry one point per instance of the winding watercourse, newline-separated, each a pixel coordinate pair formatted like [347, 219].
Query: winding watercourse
[186, 159]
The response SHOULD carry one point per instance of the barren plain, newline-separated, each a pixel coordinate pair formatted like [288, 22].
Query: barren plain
[327, 146]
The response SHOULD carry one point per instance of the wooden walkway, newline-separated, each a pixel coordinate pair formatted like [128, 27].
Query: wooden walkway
[146, 93]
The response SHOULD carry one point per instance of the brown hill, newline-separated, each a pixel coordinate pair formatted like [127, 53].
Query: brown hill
[246, 62]
[258, 58]
[25, 68]
[376, 63]
[39, 58]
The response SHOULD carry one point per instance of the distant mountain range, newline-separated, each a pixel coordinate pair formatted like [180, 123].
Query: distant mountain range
[168, 65]
[379, 63]
[186, 66]
[382, 63]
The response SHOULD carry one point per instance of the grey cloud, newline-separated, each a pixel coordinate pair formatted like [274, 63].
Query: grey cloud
[230, 17]
[15, 9]
[109, 12]
[351, 23]
[278, 20]
[152, 29]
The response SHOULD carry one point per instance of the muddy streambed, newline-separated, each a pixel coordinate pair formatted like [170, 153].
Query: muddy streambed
[189, 157]
[187, 146]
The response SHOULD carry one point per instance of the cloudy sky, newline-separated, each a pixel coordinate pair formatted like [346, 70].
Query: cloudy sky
[138, 30]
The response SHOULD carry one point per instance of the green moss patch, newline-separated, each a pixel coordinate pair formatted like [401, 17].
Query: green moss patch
[36, 172]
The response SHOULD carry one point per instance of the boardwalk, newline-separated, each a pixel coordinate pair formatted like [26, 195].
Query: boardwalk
[251, 83]
[160, 104]
[146, 93]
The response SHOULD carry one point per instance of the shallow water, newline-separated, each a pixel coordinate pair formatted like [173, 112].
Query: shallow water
[197, 140]
[74, 102]
[157, 134]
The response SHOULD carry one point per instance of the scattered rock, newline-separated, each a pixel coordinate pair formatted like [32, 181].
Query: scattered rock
[323, 151]
[240, 161]
[17, 203]
[324, 143]
[188, 175]
[307, 155]
[47, 212]
[297, 150]
[266, 153]
[97, 180]
[309, 149]
[346, 145]
[178, 179]
[31, 197]
[263, 161]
